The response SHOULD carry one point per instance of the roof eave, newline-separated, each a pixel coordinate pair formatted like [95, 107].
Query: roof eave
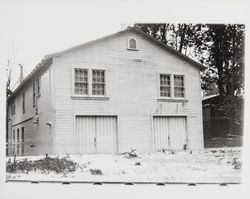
[44, 63]
[186, 58]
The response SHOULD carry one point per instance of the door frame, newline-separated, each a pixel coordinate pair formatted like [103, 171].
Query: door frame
[96, 115]
[167, 115]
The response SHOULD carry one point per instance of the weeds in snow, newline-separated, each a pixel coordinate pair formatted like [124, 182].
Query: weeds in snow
[167, 151]
[48, 164]
[96, 171]
[130, 154]
[236, 163]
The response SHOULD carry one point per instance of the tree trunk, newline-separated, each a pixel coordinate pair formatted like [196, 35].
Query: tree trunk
[182, 36]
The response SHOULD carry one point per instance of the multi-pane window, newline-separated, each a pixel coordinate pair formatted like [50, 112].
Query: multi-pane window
[34, 94]
[132, 44]
[165, 85]
[98, 82]
[179, 89]
[23, 102]
[13, 109]
[81, 81]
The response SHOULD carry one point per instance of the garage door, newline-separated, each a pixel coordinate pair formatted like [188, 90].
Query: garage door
[96, 134]
[170, 132]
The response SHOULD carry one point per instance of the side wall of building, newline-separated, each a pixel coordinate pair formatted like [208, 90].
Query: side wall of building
[37, 135]
[132, 91]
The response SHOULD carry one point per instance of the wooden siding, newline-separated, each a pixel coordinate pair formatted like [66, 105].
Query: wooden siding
[133, 92]
[37, 136]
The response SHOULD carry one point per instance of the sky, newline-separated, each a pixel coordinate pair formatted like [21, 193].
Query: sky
[33, 29]
[30, 29]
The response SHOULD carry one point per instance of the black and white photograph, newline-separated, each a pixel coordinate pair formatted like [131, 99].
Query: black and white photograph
[95, 99]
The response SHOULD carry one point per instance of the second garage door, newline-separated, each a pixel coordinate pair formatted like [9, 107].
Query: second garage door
[170, 132]
[96, 134]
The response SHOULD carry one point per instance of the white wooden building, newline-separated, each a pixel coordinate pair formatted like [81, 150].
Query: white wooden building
[123, 91]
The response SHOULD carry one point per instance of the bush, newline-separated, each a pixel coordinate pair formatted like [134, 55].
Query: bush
[48, 164]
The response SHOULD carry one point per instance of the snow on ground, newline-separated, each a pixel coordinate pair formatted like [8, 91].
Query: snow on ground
[208, 165]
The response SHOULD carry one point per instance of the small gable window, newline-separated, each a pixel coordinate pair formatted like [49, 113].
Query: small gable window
[132, 43]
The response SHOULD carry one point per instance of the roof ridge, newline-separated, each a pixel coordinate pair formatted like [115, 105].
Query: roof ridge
[47, 60]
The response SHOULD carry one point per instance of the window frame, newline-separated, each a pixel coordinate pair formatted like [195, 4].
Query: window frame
[13, 109]
[34, 93]
[13, 135]
[172, 74]
[184, 88]
[89, 68]
[136, 44]
[73, 79]
[23, 102]
[171, 92]
[17, 136]
[22, 140]
[104, 72]
[38, 85]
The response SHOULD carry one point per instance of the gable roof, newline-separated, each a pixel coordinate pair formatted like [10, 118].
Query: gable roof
[47, 60]
[137, 31]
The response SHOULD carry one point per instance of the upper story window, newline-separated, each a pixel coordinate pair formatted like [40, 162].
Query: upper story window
[13, 109]
[172, 86]
[34, 94]
[165, 85]
[89, 82]
[98, 82]
[132, 44]
[23, 102]
[38, 82]
[81, 81]
[179, 90]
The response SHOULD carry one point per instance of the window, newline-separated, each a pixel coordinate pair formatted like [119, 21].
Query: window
[132, 44]
[22, 140]
[98, 82]
[13, 109]
[23, 102]
[14, 136]
[81, 81]
[17, 146]
[17, 136]
[89, 83]
[34, 94]
[38, 81]
[179, 86]
[165, 85]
